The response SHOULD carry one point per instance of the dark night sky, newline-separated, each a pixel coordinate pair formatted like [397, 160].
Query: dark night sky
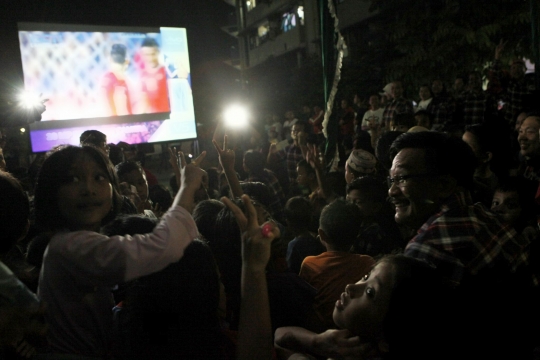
[208, 44]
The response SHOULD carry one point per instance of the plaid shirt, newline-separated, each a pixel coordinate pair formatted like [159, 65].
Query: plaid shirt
[462, 239]
[442, 108]
[292, 154]
[515, 94]
[396, 106]
[475, 105]
[278, 197]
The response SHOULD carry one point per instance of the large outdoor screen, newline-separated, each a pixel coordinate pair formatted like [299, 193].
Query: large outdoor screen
[133, 84]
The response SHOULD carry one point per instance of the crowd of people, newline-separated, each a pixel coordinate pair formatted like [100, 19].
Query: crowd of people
[416, 237]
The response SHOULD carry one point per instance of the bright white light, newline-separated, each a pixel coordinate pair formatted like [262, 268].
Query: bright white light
[236, 116]
[29, 100]
[300, 12]
[23, 130]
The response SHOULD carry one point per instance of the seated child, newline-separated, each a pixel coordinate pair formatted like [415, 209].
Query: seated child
[330, 271]
[379, 233]
[299, 216]
[379, 317]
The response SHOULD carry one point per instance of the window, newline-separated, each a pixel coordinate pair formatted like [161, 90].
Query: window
[288, 21]
[250, 4]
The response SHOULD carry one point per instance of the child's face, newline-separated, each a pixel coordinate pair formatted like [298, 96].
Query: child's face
[87, 199]
[506, 205]
[365, 203]
[137, 179]
[363, 306]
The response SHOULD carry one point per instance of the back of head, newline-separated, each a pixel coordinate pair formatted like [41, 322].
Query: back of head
[118, 53]
[254, 161]
[160, 195]
[129, 225]
[444, 154]
[257, 191]
[373, 187]
[93, 137]
[205, 215]
[341, 223]
[298, 212]
[55, 172]
[406, 120]
[14, 211]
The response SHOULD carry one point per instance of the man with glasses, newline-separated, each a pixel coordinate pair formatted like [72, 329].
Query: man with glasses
[429, 185]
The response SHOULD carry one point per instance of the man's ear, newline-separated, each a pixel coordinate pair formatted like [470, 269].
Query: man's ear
[322, 236]
[488, 155]
[447, 186]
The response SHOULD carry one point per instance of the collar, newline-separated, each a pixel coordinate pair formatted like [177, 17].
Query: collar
[459, 199]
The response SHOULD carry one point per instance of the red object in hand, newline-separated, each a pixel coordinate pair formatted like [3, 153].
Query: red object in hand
[266, 229]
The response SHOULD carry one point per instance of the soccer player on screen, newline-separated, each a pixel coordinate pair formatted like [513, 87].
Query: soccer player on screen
[153, 79]
[118, 101]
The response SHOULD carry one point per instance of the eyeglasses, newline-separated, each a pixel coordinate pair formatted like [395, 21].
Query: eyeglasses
[402, 180]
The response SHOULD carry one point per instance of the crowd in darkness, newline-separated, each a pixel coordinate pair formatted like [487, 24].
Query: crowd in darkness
[414, 235]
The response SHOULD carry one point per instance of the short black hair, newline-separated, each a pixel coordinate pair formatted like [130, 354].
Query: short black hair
[125, 167]
[258, 191]
[159, 194]
[444, 154]
[371, 185]
[424, 113]
[299, 212]
[149, 42]
[254, 161]
[205, 215]
[341, 222]
[304, 164]
[406, 119]
[118, 53]
[129, 224]
[92, 137]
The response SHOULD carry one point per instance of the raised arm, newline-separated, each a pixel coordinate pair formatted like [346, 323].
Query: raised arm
[226, 159]
[191, 180]
[255, 327]
[313, 158]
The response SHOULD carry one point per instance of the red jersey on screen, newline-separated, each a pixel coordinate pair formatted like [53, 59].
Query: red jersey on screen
[154, 85]
[117, 95]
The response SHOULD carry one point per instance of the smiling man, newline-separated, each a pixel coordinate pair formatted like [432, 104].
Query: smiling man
[529, 146]
[430, 180]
